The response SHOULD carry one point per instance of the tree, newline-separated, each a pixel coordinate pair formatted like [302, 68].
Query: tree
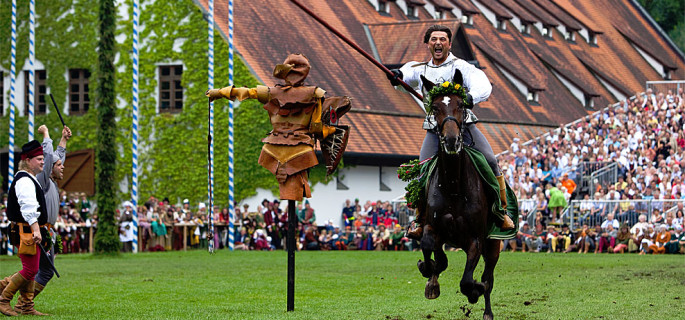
[106, 238]
[669, 15]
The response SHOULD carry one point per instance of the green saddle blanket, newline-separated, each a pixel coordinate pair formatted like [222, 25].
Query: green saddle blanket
[418, 173]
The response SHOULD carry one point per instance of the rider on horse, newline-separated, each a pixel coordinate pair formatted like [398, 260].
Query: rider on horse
[439, 69]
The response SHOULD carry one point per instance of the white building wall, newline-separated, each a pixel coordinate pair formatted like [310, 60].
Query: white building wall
[327, 201]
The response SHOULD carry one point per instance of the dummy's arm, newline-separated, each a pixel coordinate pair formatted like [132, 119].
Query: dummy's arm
[260, 93]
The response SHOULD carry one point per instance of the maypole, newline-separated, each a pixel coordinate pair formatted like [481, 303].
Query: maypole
[210, 55]
[134, 134]
[32, 66]
[231, 208]
[13, 84]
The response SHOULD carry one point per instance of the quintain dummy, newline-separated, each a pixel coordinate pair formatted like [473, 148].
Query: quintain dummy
[299, 114]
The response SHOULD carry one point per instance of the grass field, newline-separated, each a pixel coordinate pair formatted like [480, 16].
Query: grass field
[357, 285]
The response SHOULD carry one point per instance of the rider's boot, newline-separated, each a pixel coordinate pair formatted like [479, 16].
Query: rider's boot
[417, 231]
[507, 224]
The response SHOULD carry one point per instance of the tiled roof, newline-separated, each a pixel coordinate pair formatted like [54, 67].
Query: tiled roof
[497, 8]
[520, 12]
[385, 121]
[443, 4]
[466, 6]
[399, 50]
[559, 14]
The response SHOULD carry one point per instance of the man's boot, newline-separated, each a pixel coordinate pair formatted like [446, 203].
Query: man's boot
[25, 304]
[507, 224]
[16, 282]
[5, 282]
[417, 232]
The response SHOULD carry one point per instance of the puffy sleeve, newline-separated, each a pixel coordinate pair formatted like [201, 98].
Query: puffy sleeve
[476, 80]
[26, 196]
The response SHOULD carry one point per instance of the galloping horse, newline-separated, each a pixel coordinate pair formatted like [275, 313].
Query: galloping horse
[457, 205]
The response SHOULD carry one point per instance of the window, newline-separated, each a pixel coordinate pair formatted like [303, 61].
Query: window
[383, 7]
[39, 89]
[79, 98]
[569, 35]
[467, 19]
[667, 73]
[546, 32]
[525, 28]
[412, 12]
[501, 24]
[589, 102]
[170, 90]
[439, 14]
[532, 96]
[592, 38]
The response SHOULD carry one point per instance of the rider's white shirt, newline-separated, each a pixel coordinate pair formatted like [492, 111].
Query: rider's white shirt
[474, 79]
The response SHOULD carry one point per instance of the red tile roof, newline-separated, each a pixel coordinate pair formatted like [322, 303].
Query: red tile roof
[385, 121]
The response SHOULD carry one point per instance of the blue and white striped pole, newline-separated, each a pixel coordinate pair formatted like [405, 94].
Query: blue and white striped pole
[134, 134]
[210, 79]
[13, 84]
[13, 76]
[231, 208]
[32, 66]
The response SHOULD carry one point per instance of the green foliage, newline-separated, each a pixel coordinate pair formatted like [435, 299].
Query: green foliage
[106, 239]
[172, 148]
[669, 15]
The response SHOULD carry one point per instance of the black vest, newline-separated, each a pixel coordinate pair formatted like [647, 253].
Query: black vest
[13, 209]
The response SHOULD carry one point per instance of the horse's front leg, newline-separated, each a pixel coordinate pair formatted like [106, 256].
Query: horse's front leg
[469, 287]
[490, 256]
[429, 267]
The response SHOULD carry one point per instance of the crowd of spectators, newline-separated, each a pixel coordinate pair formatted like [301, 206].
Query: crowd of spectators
[644, 136]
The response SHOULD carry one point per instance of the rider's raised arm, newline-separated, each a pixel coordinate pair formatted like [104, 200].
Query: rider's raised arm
[476, 80]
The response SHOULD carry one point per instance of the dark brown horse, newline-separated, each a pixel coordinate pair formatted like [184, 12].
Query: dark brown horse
[457, 206]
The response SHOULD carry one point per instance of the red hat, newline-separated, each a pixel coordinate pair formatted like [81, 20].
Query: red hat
[31, 149]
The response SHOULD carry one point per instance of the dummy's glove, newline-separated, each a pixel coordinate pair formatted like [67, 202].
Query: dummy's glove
[469, 101]
[395, 77]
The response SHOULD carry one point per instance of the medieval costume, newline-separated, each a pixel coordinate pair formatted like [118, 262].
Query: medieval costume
[26, 209]
[299, 114]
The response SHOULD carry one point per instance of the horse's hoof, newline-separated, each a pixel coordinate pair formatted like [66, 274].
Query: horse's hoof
[432, 290]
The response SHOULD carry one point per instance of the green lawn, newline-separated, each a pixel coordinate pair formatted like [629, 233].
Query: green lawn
[357, 285]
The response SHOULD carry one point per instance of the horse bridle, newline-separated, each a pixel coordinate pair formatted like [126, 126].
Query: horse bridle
[460, 138]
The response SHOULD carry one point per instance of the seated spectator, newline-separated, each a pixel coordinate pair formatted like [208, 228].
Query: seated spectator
[241, 241]
[622, 239]
[397, 239]
[656, 217]
[381, 238]
[538, 239]
[552, 235]
[521, 238]
[311, 239]
[563, 239]
[607, 238]
[672, 246]
[661, 239]
[648, 239]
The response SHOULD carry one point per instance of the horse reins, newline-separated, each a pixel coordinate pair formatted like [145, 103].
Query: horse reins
[460, 139]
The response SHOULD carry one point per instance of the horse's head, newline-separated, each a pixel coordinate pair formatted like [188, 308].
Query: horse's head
[446, 102]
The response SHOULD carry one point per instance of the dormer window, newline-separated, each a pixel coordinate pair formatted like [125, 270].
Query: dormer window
[532, 96]
[501, 24]
[667, 73]
[412, 12]
[439, 14]
[569, 35]
[525, 28]
[383, 7]
[589, 102]
[467, 19]
[547, 32]
[592, 39]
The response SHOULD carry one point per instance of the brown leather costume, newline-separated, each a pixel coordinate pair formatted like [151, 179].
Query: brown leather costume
[295, 115]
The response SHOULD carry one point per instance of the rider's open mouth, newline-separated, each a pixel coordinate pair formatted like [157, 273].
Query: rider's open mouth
[438, 50]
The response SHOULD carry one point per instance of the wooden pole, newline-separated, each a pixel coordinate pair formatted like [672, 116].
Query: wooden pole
[291, 243]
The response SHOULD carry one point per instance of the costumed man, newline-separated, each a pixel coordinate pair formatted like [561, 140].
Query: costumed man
[439, 69]
[27, 210]
[299, 114]
[53, 169]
